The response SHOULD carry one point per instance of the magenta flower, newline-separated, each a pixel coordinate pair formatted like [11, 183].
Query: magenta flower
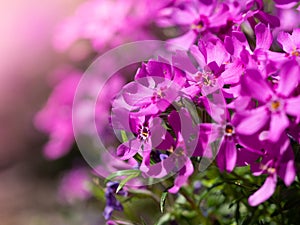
[211, 57]
[96, 21]
[242, 55]
[290, 43]
[285, 4]
[194, 17]
[175, 152]
[274, 106]
[224, 131]
[146, 133]
[55, 118]
[75, 186]
[278, 160]
[157, 85]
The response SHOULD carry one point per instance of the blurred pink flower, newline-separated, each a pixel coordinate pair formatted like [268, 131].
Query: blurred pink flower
[74, 186]
[107, 23]
[55, 118]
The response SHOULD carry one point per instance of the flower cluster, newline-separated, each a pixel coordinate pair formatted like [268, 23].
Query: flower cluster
[228, 95]
[255, 113]
[250, 92]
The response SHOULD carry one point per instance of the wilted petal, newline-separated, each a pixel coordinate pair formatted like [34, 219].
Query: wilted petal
[265, 191]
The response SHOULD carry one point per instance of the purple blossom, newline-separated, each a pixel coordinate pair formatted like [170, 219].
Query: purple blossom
[278, 160]
[290, 43]
[177, 151]
[274, 105]
[100, 15]
[111, 201]
[147, 132]
[157, 85]
[285, 4]
[194, 17]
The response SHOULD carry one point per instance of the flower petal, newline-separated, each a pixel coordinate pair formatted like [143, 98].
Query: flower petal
[289, 76]
[279, 122]
[292, 106]
[232, 73]
[136, 94]
[253, 84]
[231, 155]
[287, 171]
[265, 191]
[254, 120]
[183, 42]
[183, 176]
[263, 36]
[226, 158]
[284, 39]
[128, 149]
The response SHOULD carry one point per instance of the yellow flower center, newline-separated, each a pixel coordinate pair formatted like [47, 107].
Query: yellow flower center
[271, 170]
[295, 53]
[275, 105]
[229, 130]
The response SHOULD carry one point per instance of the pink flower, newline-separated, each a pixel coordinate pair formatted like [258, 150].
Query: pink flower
[107, 23]
[55, 118]
[74, 186]
[278, 160]
[290, 43]
[194, 17]
[274, 106]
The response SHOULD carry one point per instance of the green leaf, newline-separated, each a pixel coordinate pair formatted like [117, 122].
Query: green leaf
[163, 201]
[143, 221]
[124, 181]
[164, 219]
[121, 173]
[140, 193]
[124, 136]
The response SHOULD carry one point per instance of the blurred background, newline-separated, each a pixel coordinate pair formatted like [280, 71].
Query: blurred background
[28, 186]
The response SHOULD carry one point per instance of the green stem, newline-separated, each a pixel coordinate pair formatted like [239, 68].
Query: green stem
[202, 218]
